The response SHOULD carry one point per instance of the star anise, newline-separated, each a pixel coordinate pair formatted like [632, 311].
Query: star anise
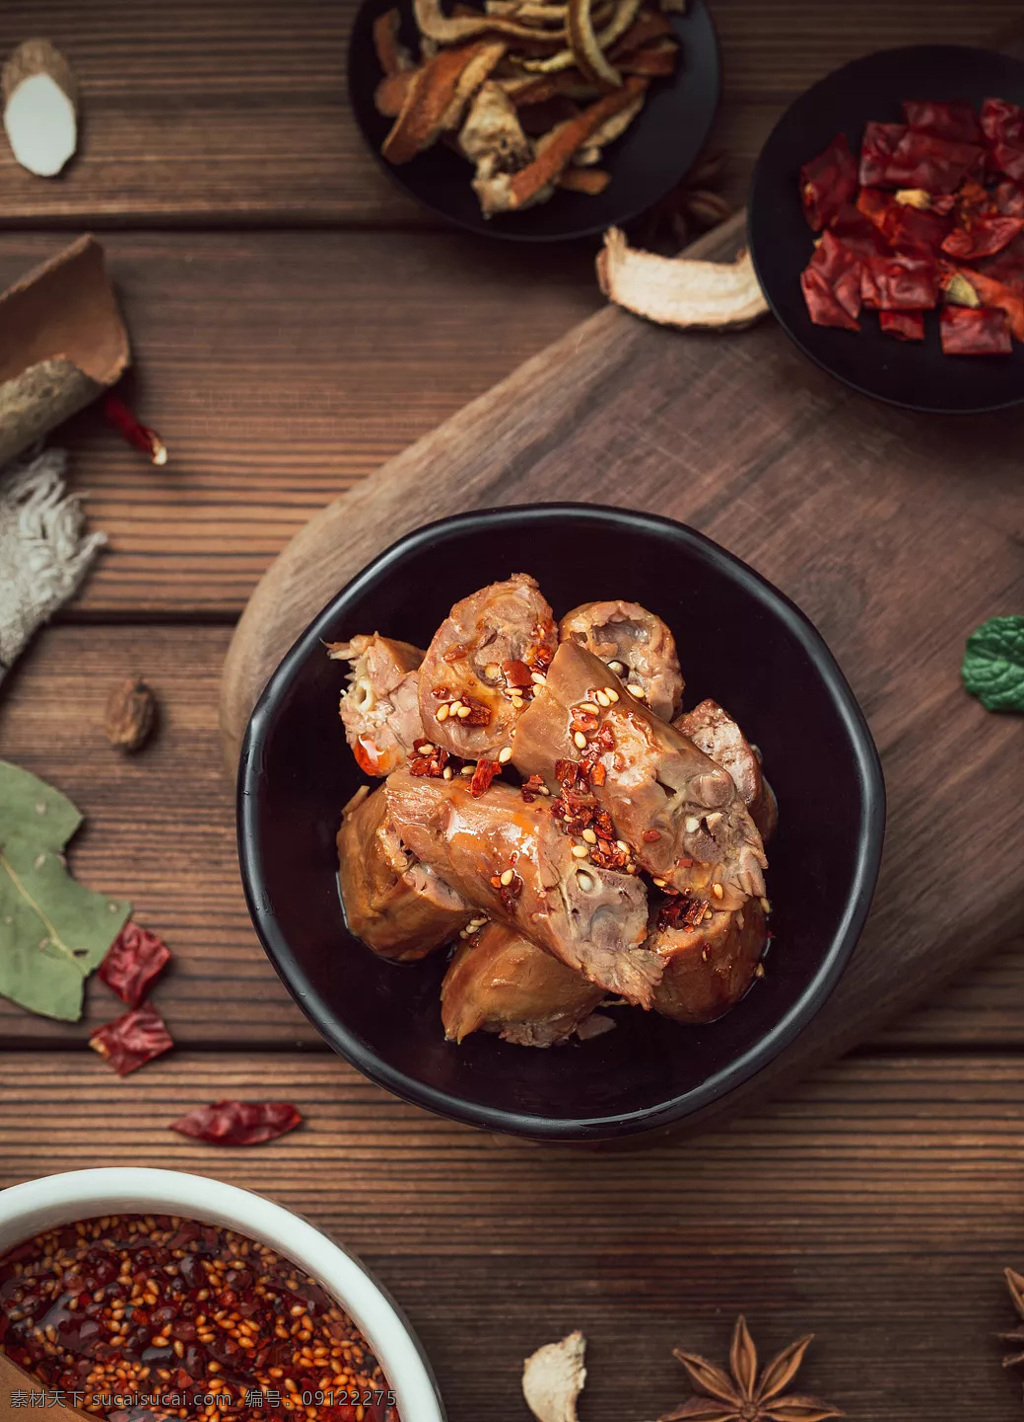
[745, 1396]
[1015, 1283]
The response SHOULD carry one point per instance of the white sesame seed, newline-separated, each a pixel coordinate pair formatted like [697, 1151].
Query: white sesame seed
[616, 667]
[660, 883]
[543, 790]
[446, 773]
[712, 819]
[590, 836]
[426, 748]
[691, 824]
[602, 698]
[589, 707]
[507, 878]
[454, 707]
[621, 844]
[630, 868]
[611, 693]
[766, 906]
[518, 702]
[442, 711]
[504, 755]
[466, 770]
[538, 679]
[580, 740]
[636, 690]
[718, 891]
[580, 851]
[492, 671]
[584, 880]
[707, 915]
[463, 712]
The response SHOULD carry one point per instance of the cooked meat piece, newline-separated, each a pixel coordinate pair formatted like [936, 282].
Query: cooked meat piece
[399, 908]
[477, 674]
[635, 644]
[592, 919]
[680, 813]
[498, 981]
[713, 731]
[380, 710]
[708, 968]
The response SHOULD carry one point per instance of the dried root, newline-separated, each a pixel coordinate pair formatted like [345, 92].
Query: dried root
[678, 291]
[40, 97]
[553, 1379]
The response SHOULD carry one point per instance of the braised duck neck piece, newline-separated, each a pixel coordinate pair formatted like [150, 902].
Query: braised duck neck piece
[513, 860]
[380, 710]
[398, 907]
[678, 811]
[713, 731]
[635, 645]
[498, 981]
[710, 958]
[479, 671]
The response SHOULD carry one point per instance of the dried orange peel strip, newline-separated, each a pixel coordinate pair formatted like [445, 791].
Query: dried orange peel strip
[625, 14]
[679, 291]
[562, 142]
[588, 54]
[438, 91]
[392, 57]
[454, 29]
[390, 94]
[591, 181]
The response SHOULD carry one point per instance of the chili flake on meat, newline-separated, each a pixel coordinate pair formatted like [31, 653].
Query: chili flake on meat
[188, 1320]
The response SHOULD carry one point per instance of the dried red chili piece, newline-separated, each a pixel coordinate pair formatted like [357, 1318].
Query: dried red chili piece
[134, 960]
[900, 283]
[912, 229]
[841, 270]
[479, 714]
[1006, 266]
[858, 233]
[517, 673]
[484, 773]
[935, 164]
[827, 182]
[879, 143]
[132, 1040]
[532, 788]
[954, 120]
[978, 331]
[904, 325]
[430, 760]
[239, 1123]
[982, 237]
[999, 297]
[1008, 198]
[1003, 125]
[822, 305]
[682, 911]
[139, 436]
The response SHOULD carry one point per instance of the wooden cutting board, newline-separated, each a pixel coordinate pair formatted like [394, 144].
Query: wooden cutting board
[896, 533]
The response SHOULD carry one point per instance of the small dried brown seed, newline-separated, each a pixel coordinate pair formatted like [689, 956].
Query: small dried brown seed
[131, 714]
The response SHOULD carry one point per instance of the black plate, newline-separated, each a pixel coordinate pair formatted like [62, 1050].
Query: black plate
[914, 376]
[742, 642]
[655, 152]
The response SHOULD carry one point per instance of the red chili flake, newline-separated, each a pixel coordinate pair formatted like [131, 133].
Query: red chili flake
[479, 714]
[458, 652]
[510, 892]
[517, 674]
[955, 121]
[879, 143]
[431, 762]
[598, 775]
[139, 436]
[441, 693]
[132, 1040]
[904, 325]
[532, 788]
[681, 911]
[484, 773]
[540, 653]
[1003, 125]
[582, 721]
[827, 182]
[607, 855]
[900, 283]
[239, 1123]
[978, 331]
[983, 237]
[134, 960]
[1006, 266]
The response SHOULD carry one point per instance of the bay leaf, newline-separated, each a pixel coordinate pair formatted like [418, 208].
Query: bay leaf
[53, 931]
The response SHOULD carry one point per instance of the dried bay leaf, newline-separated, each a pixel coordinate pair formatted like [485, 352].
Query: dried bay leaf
[53, 931]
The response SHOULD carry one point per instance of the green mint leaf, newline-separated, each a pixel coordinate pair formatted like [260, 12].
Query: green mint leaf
[53, 931]
[993, 665]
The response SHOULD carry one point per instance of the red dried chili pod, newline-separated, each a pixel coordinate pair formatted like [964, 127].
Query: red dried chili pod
[139, 436]
[827, 182]
[131, 1041]
[841, 269]
[133, 962]
[904, 325]
[954, 120]
[879, 143]
[822, 306]
[1003, 126]
[935, 164]
[982, 237]
[974, 331]
[239, 1123]
[900, 283]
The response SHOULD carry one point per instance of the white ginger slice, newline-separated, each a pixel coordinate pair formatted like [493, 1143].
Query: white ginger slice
[39, 97]
[553, 1379]
[679, 291]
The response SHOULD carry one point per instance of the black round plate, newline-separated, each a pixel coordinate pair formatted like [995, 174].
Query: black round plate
[916, 376]
[742, 642]
[656, 151]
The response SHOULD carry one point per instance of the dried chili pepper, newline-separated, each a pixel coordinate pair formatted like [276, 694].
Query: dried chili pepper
[841, 270]
[822, 306]
[977, 331]
[1008, 198]
[879, 143]
[954, 120]
[132, 1040]
[485, 772]
[982, 237]
[858, 233]
[1000, 297]
[900, 283]
[135, 959]
[139, 436]
[827, 182]
[904, 325]
[1003, 126]
[239, 1123]
[935, 164]
[531, 788]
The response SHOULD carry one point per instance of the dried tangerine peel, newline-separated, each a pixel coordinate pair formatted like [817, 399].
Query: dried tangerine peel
[679, 291]
[586, 51]
[625, 13]
[391, 56]
[435, 92]
[454, 29]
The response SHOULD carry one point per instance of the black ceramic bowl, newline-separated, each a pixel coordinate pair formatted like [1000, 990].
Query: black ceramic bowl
[655, 152]
[914, 375]
[740, 641]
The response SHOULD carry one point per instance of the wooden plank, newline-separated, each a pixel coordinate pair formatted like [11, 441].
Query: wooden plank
[866, 516]
[281, 368]
[238, 113]
[875, 1207]
[159, 830]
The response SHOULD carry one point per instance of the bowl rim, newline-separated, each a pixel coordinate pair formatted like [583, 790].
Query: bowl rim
[74, 1195]
[754, 234]
[767, 1046]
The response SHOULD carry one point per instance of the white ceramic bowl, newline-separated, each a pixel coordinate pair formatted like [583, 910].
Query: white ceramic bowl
[83, 1194]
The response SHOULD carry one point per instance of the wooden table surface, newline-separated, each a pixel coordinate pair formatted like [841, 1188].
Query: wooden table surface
[296, 321]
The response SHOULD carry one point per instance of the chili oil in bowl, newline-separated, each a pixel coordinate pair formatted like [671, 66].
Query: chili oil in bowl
[150, 1294]
[740, 641]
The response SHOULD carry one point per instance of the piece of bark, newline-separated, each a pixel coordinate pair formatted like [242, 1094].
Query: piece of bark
[40, 98]
[62, 342]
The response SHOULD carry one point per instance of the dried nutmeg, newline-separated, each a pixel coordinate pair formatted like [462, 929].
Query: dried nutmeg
[131, 714]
